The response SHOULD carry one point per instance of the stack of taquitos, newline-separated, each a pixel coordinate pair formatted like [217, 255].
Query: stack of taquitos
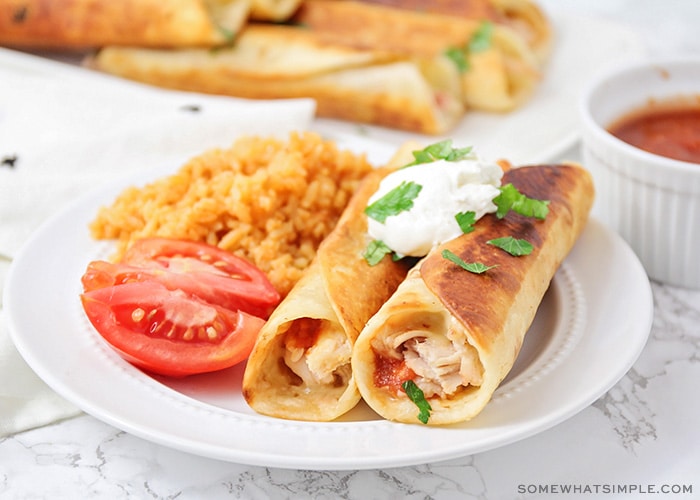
[300, 366]
[456, 334]
[366, 63]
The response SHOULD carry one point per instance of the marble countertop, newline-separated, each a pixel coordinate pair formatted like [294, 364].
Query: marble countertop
[639, 439]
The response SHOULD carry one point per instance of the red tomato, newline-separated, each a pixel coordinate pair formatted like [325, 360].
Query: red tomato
[208, 272]
[168, 331]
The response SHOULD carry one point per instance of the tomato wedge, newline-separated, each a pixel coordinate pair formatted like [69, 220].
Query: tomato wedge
[170, 332]
[205, 271]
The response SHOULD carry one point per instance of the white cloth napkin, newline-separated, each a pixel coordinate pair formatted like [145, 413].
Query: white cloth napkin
[66, 130]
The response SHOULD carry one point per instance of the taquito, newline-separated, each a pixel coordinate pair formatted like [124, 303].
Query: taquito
[524, 17]
[498, 71]
[456, 334]
[79, 24]
[274, 61]
[300, 366]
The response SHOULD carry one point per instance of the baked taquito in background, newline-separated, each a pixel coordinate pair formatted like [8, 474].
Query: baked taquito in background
[455, 334]
[498, 71]
[79, 24]
[524, 17]
[269, 62]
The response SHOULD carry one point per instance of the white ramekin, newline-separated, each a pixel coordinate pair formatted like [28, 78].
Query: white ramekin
[653, 202]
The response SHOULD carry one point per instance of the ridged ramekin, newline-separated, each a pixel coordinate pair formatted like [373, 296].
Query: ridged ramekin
[653, 202]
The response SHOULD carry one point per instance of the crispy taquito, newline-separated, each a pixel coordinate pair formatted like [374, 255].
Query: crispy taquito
[498, 71]
[456, 334]
[267, 62]
[524, 17]
[300, 366]
[78, 24]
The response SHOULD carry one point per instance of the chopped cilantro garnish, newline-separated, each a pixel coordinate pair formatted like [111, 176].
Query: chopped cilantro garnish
[512, 199]
[481, 39]
[472, 267]
[416, 395]
[513, 246]
[394, 202]
[228, 34]
[459, 58]
[466, 221]
[375, 252]
[229, 40]
[442, 150]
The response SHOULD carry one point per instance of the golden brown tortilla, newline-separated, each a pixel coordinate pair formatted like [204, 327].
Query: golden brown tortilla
[499, 76]
[524, 17]
[457, 334]
[300, 366]
[77, 24]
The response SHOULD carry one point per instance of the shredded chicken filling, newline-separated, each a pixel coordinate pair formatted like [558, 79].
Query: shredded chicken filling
[438, 353]
[326, 362]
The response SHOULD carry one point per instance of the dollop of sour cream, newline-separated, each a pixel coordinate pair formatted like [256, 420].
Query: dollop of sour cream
[447, 188]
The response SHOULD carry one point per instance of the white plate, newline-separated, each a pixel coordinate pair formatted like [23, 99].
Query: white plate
[583, 340]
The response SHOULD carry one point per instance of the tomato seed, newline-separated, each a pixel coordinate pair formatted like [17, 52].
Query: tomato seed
[212, 333]
[137, 314]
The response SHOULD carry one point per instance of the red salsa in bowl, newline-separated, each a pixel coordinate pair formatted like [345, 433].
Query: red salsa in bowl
[670, 129]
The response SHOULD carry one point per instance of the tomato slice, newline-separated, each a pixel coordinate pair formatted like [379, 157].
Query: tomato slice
[170, 332]
[206, 271]
[101, 274]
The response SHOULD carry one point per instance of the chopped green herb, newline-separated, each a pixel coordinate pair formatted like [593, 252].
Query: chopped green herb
[442, 150]
[375, 252]
[394, 202]
[466, 221]
[229, 40]
[459, 58]
[472, 267]
[481, 39]
[513, 246]
[416, 395]
[512, 199]
[228, 34]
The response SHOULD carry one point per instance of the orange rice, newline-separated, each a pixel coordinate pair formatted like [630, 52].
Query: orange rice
[264, 199]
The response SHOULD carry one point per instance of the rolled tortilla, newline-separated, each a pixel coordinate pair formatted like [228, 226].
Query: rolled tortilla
[457, 334]
[78, 24]
[499, 76]
[300, 366]
[524, 17]
[274, 61]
